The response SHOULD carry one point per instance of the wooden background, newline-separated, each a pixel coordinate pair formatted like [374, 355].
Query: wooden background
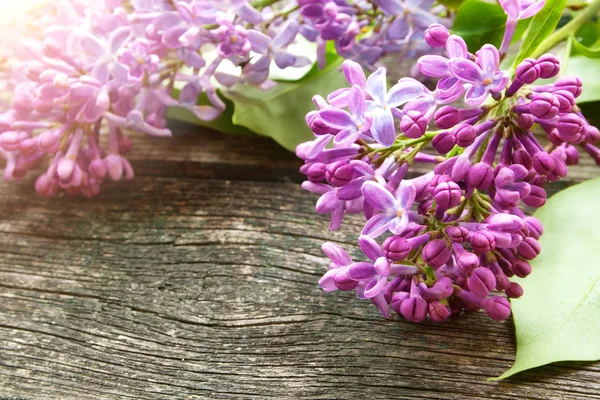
[199, 280]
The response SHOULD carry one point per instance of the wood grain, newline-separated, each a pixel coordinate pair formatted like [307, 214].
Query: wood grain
[198, 280]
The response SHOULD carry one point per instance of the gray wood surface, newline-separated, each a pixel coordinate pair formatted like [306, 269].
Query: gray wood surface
[199, 280]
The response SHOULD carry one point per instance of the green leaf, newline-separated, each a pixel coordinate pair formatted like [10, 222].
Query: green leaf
[558, 317]
[542, 25]
[279, 112]
[452, 4]
[480, 22]
[587, 70]
[591, 52]
[222, 124]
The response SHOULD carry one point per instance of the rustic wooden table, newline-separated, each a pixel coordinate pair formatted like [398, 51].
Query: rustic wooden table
[199, 280]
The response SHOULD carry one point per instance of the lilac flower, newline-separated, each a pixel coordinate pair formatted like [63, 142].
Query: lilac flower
[483, 75]
[395, 216]
[351, 126]
[384, 101]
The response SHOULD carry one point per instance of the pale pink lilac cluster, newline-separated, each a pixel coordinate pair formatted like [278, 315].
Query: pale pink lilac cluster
[89, 72]
[452, 239]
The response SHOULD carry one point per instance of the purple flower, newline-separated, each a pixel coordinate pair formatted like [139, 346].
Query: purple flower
[350, 126]
[384, 101]
[522, 9]
[482, 75]
[395, 216]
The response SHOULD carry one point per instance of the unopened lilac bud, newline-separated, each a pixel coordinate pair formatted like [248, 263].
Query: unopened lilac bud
[527, 71]
[525, 121]
[446, 195]
[481, 282]
[521, 268]
[571, 128]
[572, 154]
[549, 66]
[505, 223]
[569, 83]
[339, 173]
[413, 124]
[566, 100]
[480, 176]
[98, 169]
[414, 309]
[317, 125]
[498, 308]
[465, 260]
[437, 35]
[522, 157]
[397, 299]
[529, 248]
[316, 172]
[483, 242]
[457, 234]
[536, 198]
[592, 135]
[534, 226]
[396, 248]
[436, 253]
[447, 117]
[438, 312]
[465, 135]
[514, 290]
[543, 163]
[544, 105]
[443, 142]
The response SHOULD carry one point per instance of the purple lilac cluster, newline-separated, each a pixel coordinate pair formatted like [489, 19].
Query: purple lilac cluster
[449, 240]
[88, 73]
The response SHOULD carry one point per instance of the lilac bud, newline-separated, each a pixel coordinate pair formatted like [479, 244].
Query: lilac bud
[570, 128]
[396, 248]
[536, 198]
[483, 242]
[446, 195]
[443, 142]
[522, 157]
[534, 226]
[397, 300]
[413, 124]
[528, 71]
[544, 105]
[521, 268]
[525, 121]
[436, 253]
[414, 309]
[514, 290]
[316, 172]
[498, 308]
[549, 66]
[465, 135]
[480, 176]
[339, 173]
[529, 248]
[543, 163]
[98, 169]
[438, 312]
[565, 99]
[447, 117]
[481, 282]
[505, 223]
[592, 134]
[569, 83]
[437, 35]
[465, 260]
[457, 234]
[572, 154]
[316, 124]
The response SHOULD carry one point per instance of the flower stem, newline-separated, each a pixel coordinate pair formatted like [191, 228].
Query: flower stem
[563, 33]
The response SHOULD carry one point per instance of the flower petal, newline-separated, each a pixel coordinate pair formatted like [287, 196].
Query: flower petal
[406, 195]
[456, 47]
[377, 85]
[383, 129]
[377, 225]
[327, 203]
[398, 224]
[351, 190]
[488, 58]
[361, 271]
[466, 70]
[370, 247]
[374, 287]
[377, 196]
[336, 118]
[476, 95]
[336, 254]
[435, 66]
[405, 90]
[346, 137]
[356, 101]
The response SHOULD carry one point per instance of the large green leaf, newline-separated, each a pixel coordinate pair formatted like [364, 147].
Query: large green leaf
[279, 112]
[542, 25]
[558, 317]
[587, 70]
[480, 22]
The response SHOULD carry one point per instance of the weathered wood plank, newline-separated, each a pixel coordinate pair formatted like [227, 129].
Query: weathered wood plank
[180, 287]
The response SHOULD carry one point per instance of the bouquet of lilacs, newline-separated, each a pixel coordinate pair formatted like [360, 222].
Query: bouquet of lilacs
[449, 240]
[88, 72]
